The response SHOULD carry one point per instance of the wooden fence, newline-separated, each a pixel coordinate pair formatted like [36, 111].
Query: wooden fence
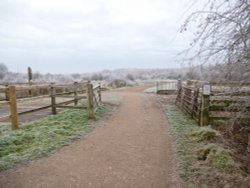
[72, 93]
[189, 99]
[208, 104]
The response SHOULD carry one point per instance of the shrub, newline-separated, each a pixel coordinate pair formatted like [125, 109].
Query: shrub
[117, 83]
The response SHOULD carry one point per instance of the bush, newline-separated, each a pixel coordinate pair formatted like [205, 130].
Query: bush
[117, 83]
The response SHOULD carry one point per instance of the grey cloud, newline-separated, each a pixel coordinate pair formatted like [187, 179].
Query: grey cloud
[100, 35]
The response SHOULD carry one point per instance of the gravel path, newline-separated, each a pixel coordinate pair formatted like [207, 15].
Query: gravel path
[133, 150]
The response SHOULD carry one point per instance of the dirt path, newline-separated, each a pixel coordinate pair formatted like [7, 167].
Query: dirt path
[133, 150]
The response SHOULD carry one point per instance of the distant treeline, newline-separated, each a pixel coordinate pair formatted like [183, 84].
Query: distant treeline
[128, 75]
[208, 72]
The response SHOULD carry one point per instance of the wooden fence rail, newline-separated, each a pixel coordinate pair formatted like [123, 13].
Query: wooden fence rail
[73, 93]
[189, 100]
[206, 106]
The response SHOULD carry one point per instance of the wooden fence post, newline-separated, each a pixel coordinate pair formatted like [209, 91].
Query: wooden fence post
[195, 101]
[99, 93]
[189, 82]
[30, 81]
[91, 114]
[206, 90]
[53, 99]
[13, 107]
[7, 92]
[183, 91]
[179, 84]
[75, 93]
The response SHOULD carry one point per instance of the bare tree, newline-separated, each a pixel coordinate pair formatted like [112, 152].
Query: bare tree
[223, 34]
[223, 37]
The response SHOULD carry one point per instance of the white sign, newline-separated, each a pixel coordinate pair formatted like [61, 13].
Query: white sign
[206, 90]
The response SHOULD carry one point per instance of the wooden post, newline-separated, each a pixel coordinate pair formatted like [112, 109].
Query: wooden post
[189, 82]
[185, 97]
[157, 86]
[195, 101]
[99, 93]
[179, 97]
[30, 80]
[183, 90]
[75, 93]
[206, 89]
[53, 99]
[179, 92]
[13, 107]
[6, 92]
[179, 84]
[91, 114]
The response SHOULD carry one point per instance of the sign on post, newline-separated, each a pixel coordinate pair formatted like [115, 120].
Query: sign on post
[206, 89]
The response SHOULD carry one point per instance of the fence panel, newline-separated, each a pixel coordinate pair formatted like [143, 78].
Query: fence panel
[188, 99]
[215, 105]
[18, 95]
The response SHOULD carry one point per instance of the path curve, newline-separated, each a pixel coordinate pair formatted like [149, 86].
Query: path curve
[133, 150]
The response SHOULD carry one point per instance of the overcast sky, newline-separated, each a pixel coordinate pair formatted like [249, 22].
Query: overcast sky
[66, 36]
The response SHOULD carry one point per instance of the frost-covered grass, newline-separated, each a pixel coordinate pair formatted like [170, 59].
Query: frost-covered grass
[183, 127]
[197, 149]
[39, 138]
[204, 134]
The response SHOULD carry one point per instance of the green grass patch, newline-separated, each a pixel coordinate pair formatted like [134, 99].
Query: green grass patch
[39, 138]
[183, 126]
[222, 159]
[203, 151]
[204, 134]
[194, 150]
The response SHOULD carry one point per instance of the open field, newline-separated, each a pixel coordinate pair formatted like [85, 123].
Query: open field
[29, 105]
